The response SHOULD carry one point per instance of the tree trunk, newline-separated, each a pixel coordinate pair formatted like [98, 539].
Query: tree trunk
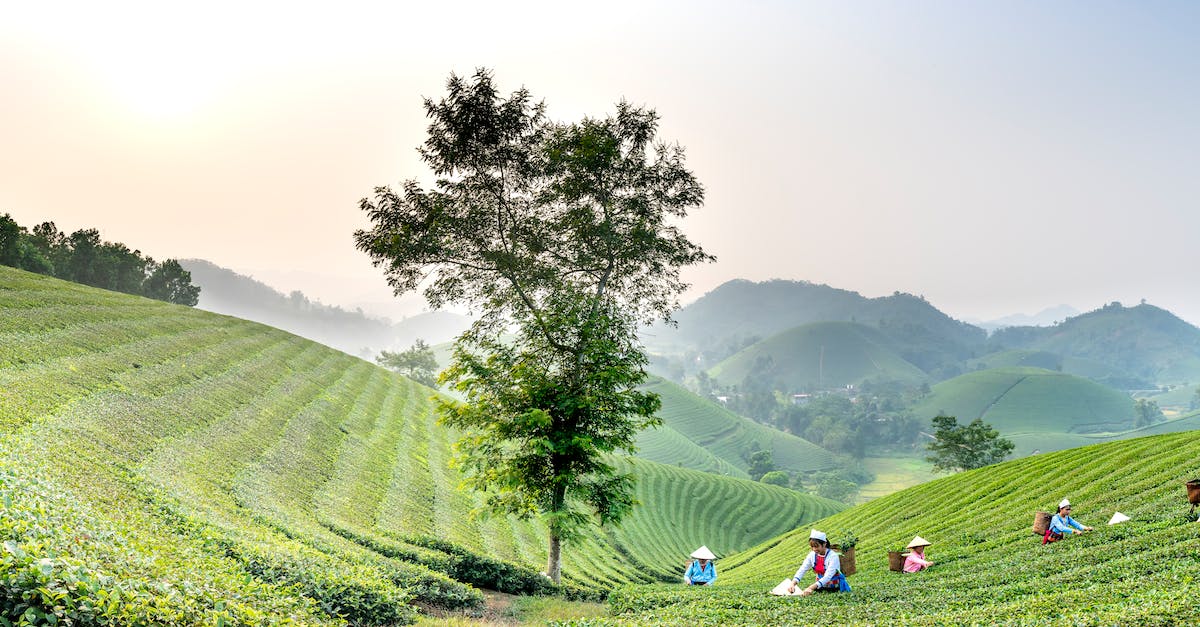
[554, 562]
[558, 501]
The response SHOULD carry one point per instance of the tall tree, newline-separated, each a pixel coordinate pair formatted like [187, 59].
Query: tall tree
[417, 362]
[560, 235]
[963, 447]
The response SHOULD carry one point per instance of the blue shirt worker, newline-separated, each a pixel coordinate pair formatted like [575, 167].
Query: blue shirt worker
[825, 563]
[1062, 524]
[702, 571]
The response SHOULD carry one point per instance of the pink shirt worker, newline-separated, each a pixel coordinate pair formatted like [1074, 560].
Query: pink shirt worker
[916, 559]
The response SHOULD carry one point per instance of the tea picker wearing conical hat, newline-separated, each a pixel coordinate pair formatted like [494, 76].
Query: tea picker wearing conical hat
[825, 563]
[702, 571]
[916, 562]
[1062, 523]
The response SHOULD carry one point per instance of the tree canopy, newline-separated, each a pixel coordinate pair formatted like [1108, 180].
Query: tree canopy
[561, 235]
[963, 447]
[417, 362]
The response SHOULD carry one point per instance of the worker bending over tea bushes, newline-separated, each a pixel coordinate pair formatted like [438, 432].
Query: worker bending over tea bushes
[1062, 523]
[825, 563]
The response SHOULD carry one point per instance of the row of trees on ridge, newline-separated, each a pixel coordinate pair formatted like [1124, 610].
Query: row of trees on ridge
[84, 258]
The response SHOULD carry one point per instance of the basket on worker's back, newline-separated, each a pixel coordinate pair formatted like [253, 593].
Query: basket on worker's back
[1193, 491]
[1041, 522]
[847, 560]
[896, 561]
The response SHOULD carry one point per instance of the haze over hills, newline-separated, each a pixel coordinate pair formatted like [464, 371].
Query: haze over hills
[1126, 347]
[1043, 318]
[227, 292]
[740, 312]
[1145, 341]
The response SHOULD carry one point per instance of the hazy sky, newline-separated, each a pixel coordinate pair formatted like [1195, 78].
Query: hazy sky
[994, 157]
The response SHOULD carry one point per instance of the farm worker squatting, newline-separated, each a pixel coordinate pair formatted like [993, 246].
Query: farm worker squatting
[825, 563]
[702, 571]
[1062, 523]
[916, 561]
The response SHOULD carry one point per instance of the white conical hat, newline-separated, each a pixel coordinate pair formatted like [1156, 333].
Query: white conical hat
[1118, 517]
[818, 535]
[1064, 503]
[703, 553]
[918, 541]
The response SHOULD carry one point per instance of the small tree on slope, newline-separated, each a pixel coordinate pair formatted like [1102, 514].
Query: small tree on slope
[963, 447]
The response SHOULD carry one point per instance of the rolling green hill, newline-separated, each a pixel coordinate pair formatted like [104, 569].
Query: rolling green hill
[168, 465]
[820, 356]
[1030, 405]
[742, 309]
[1144, 341]
[725, 435]
[989, 568]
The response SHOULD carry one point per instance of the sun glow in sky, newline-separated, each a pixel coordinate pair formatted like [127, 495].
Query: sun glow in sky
[996, 158]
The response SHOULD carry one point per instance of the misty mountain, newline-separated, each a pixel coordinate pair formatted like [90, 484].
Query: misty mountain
[739, 313]
[1145, 341]
[1043, 318]
[227, 292]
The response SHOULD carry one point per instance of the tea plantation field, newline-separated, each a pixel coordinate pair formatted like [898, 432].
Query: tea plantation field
[700, 434]
[165, 465]
[989, 568]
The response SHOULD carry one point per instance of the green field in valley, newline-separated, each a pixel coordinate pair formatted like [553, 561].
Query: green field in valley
[989, 568]
[161, 464]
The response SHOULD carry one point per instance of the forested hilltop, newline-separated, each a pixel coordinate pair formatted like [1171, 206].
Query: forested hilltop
[84, 258]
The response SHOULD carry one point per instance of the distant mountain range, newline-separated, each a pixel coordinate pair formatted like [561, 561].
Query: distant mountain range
[1143, 342]
[1043, 318]
[227, 292]
[739, 313]
[742, 327]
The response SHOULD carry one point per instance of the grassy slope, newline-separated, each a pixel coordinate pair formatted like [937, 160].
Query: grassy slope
[230, 462]
[820, 356]
[1032, 406]
[988, 568]
[723, 433]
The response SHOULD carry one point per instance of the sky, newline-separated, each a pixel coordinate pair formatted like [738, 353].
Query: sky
[995, 158]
